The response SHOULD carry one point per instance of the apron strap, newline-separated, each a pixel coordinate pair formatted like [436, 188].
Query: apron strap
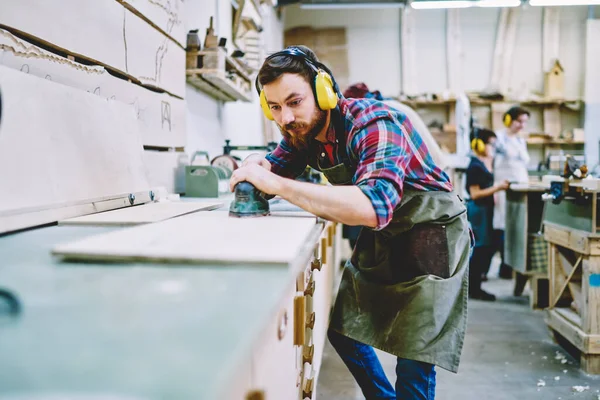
[340, 132]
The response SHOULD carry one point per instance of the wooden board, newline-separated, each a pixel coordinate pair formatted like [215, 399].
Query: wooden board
[142, 214]
[61, 146]
[104, 33]
[211, 237]
[153, 58]
[161, 117]
[164, 15]
[592, 95]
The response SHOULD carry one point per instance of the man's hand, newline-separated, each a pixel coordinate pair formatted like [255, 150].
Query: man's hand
[258, 160]
[264, 180]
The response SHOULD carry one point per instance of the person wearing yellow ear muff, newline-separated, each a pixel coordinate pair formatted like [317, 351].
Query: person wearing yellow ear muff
[404, 290]
[480, 208]
[510, 164]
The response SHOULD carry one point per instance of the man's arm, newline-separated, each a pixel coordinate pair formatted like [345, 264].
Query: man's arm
[344, 204]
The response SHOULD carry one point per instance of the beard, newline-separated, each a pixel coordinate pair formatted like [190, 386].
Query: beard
[301, 140]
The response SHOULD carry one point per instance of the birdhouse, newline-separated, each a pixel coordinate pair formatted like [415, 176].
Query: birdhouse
[554, 82]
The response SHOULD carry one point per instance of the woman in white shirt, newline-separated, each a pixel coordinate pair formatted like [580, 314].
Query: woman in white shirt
[510, 164]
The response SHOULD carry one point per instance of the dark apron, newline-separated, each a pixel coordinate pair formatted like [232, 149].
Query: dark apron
[481, 218]
[404, 291]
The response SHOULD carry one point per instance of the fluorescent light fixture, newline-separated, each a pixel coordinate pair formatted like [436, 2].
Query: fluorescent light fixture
[498, 3]
[348, 6]
[428, 5]
[548, 3]
[432, 4]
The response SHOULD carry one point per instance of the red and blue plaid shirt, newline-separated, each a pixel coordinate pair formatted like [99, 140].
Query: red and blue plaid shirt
[383, 145]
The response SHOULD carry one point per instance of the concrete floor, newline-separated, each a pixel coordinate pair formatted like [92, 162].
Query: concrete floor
[509, 354]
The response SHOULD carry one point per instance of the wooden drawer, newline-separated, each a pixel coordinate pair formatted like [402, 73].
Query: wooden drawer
[276, 368]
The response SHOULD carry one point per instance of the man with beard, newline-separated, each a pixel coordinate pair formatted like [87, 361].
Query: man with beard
[404, 291]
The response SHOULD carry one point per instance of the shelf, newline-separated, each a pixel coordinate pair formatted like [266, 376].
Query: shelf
[542, 142]
[485, 102]
[219, 75]
[216, 84]
[199, 83]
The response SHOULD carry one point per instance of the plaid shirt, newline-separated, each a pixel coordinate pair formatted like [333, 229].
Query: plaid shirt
[383, 146]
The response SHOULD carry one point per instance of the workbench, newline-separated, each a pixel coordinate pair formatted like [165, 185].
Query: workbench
[571, 230]
[152, 331]
[525, 249]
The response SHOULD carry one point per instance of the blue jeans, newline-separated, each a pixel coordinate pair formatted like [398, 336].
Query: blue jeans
[415, 380]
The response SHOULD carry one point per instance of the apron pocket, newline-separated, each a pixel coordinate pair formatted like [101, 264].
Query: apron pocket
[423, 250]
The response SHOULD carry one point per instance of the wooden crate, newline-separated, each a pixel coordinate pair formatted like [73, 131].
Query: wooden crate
[574, 290]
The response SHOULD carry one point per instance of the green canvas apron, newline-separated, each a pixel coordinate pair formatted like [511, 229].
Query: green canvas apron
[404, 291]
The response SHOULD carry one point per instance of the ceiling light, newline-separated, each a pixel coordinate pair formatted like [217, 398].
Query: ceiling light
[498, 3]
[431, 4]
[547, 3]
[349, 6]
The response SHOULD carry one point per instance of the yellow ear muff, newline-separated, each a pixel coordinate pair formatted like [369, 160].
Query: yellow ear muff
[478, 146]
[326, 96]
[507, 120]
[265, 107]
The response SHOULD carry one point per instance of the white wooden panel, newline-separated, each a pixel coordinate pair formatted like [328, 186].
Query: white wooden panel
[504, 49]
[525, 64]
[551, 37]
[161, 117]
[592, 95]
[430, 44]
[274, 366]
[409, 54]
[166, 169]
[152, 57]
[60, 145]
[104, 32]
[454, 54]
[572, 49]
[167, 15]
[142, 214]
[477, 37]
[200, 238]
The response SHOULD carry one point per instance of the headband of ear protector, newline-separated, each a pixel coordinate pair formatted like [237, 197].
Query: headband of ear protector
[324, 86]
[477, 144]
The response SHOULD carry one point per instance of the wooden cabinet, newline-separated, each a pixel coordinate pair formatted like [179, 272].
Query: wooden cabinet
[275, 367]
[280, 368]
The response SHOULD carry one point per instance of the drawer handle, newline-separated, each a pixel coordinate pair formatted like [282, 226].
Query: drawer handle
[310, 321]
[307, 390]
[299, 320]
[316, 264]
[282, 325]
[255, 395]
[308, 353]
[324, 250]
[310, 290]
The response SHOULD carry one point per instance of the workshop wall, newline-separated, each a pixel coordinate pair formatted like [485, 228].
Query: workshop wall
[210, 122]
[375, 35]
[373, 41]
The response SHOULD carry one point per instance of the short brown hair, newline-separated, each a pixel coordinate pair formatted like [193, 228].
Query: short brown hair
[485, 134]
[516, 111]
[274, 67]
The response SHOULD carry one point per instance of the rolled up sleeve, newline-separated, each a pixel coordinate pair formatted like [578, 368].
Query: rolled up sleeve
[382, 148]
